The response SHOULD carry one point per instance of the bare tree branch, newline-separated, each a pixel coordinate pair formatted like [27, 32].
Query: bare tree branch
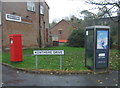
[103, 3]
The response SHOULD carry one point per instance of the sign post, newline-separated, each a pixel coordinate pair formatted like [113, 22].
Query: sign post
[48, 52]
[60, 63]
[36, 63]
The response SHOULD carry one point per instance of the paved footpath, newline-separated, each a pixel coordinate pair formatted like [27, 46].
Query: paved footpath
[20, 78]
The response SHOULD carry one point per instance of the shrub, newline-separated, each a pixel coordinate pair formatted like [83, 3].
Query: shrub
[111, 42]
[76, 39]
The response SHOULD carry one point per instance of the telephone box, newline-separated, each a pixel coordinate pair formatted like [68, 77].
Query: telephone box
[15, 47]
[97, 47]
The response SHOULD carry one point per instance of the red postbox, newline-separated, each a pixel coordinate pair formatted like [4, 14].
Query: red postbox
[15, 47]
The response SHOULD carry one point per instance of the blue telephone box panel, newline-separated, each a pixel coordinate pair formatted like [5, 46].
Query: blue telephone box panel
[102, 48]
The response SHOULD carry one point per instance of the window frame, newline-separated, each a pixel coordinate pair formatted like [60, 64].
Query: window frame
[59, 32]
[41, 9]
[30, 5]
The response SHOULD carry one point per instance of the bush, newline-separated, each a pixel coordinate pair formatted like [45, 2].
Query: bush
[76, 39]
[111, 42]
[65, 44]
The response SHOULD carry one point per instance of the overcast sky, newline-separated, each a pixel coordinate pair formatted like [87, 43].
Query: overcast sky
[60, 9]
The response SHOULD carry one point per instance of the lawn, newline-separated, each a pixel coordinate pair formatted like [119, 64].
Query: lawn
[72, 60]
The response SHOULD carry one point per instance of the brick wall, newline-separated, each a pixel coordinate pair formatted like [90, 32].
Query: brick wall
[29, 28]
[66, 29]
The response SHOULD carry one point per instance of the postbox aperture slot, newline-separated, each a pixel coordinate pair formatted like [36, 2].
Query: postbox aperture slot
[11, 41]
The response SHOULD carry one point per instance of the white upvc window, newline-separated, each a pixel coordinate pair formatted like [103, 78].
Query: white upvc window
[41, 9]
[31, 5]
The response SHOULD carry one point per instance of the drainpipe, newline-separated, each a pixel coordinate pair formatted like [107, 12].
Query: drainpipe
[39, 38]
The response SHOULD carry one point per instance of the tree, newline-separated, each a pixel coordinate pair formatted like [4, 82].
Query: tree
[109, 7]
[89, 18]
[54, 22]
[78, 23]
[76, 39]
[106, 7]
[88, 14]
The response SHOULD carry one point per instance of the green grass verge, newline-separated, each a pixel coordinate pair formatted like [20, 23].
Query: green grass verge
[114, 59]
[72, 60]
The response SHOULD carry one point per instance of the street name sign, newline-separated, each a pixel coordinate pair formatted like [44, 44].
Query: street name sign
[11, 17]
[48, 52]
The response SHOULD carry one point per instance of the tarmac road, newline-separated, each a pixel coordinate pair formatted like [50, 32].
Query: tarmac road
[13, 77]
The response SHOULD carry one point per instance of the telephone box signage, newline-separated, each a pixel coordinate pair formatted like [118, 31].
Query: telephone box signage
[102, 39]
[11, 17]
[102, 48]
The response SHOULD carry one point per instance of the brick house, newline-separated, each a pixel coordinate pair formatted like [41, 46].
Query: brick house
[61, 31]
[31, 19]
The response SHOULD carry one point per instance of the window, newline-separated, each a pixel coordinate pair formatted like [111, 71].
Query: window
[30, 5]
[59, 31]
[41, 9]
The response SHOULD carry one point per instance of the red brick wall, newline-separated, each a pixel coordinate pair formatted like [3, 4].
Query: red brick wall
[66, 27]
[30, 32]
